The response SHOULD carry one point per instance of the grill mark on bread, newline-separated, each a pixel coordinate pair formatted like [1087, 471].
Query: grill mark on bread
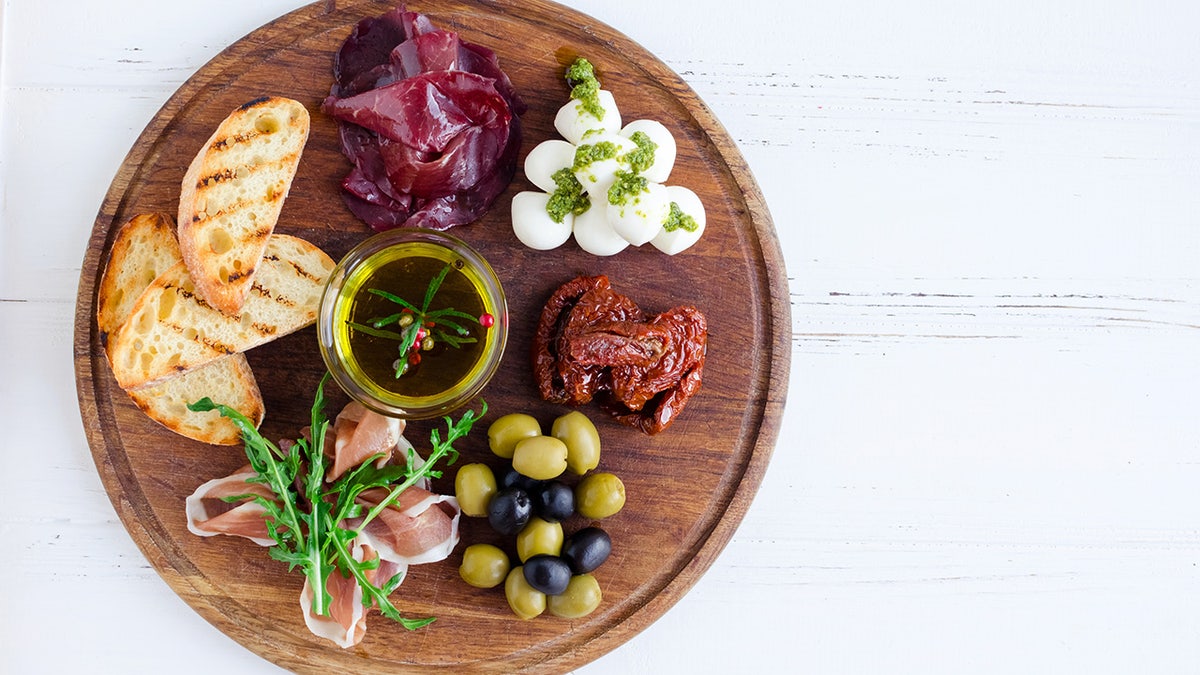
[188, 295]
[245, 170]
[212, 344]
[240, 205]
[301, 272]
[254, 102]
[226, 142]
[279, 299]
[234, 276]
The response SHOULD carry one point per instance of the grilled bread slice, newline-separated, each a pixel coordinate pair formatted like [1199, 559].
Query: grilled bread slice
[227, 380]
[232, 194]
[144, 248]
[172, 330]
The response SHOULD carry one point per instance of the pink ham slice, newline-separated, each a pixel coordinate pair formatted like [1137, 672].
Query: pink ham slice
[419, 527]
[359, 434]
[208, 515]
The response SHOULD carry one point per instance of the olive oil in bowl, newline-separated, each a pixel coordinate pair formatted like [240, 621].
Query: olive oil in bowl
[413, 323]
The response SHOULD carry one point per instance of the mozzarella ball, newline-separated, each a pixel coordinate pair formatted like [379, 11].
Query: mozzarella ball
[642, 215]
[674, 241]
[664, 154]
[545, 159]
[600, 174]
[572, 121]
[595, 234]
[534, 226]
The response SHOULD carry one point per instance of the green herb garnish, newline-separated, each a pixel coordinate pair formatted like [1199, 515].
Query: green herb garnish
[568, 196]
[641, 159]
[420, 328]
[307, 518]
[628, 186]
[589, 153]
[678, 220]
[581, 78]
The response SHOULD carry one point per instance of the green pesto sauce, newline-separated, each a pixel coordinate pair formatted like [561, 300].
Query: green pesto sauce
[639, 160]
[585, 88]
[678, 220]
[627, 186]
[568, 196]
[588, 153]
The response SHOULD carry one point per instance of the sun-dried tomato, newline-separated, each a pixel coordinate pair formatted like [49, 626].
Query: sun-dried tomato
[592, 340]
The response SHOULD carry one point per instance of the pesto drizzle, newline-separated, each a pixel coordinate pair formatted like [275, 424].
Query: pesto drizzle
[588, 153]
[641, 159]
[585, 88]
[627, 186]
[568, 196]
[678, 220]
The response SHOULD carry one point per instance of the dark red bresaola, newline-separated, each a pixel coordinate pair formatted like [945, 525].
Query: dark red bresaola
[429, 121]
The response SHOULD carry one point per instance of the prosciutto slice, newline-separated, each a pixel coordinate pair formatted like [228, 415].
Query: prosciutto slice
[358, 435]
[209, 515]
[346, 624]
[418, 527]
[429, 121]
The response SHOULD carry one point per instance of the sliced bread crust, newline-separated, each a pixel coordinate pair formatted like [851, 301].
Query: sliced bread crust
[171, 330]
[143, 249]
[228, 381]
[232, 194]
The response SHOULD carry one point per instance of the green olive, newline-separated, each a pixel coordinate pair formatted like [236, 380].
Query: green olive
[506, 432]
[474, 485]
[524, 600]
[540, 457]
[582, 441]
[599, 495]
[539, 536]
[483, 566]
[581, 598]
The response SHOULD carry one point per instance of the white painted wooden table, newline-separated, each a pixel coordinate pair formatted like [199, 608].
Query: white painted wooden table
[991, 219]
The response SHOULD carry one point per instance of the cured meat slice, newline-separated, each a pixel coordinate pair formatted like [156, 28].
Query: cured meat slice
[429, 121]
[346, 623]
[209, 515]
[419, 527]
[359, 434]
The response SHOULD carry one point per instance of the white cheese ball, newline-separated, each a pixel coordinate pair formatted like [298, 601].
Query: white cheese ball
[679, 239]
[664, 154]
[595, 235]
[545, 159]
[534, 226]
[572, 121]
[641, 217]
[598, 176]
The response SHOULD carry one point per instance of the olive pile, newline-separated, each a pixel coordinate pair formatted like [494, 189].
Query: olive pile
[530, 501]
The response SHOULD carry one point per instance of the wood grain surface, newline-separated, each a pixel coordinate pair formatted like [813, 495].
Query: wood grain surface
[688, 488]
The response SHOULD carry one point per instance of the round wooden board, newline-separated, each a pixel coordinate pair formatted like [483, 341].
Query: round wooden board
[688, 487]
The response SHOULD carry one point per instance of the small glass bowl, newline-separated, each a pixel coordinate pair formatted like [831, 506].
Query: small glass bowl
[348, 280]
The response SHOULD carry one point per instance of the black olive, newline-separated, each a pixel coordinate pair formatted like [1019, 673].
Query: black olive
[554, 501]
[547, 573]
[512, 478]
[509, 510]
[587, 549]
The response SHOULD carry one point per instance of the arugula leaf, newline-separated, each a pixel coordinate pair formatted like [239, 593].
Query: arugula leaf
[307, 517]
